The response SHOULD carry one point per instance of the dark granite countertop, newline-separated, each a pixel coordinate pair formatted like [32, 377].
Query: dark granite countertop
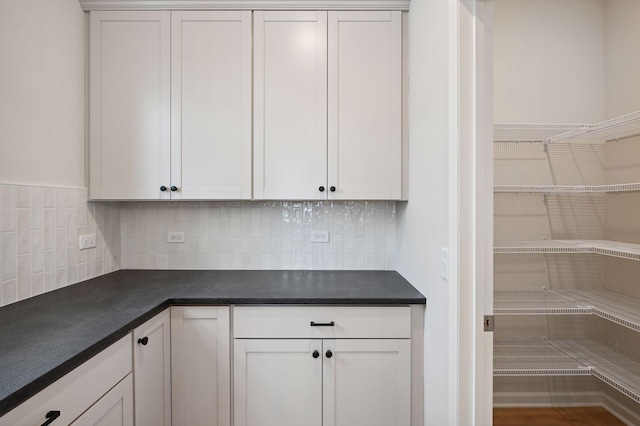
[45, 337]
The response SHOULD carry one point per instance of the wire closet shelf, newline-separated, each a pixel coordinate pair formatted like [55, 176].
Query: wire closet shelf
[603, 247]
[622, 127]
[566, 357]
[611, 306]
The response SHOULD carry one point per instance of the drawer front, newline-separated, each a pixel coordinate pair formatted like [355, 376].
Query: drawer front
[77, 391]
[295, 322]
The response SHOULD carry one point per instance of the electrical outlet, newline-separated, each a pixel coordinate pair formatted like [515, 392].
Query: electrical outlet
[86, 241]
[176, 237]
[320, 236]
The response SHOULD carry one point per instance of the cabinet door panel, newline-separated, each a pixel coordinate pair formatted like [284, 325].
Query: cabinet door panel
[152, 369]
[115, 408]
[277, 382]
[290, 105]
[367, 382]
[201, 371]
[365, 105]
[129, 111]
[211, 105]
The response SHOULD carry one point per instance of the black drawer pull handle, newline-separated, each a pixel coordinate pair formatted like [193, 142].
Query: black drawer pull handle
[143, 341]
[315, 354]
[322, 324]
[51, 415]
[329, 354]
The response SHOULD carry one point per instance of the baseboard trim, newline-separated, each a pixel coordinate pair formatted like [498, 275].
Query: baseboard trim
[547, 399]
[619, 410]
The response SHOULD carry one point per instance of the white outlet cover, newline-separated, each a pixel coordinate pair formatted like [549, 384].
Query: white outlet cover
[176, 237]
[86, 242]
[320, 236]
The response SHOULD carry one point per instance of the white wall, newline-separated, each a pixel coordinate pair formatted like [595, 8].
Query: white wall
[422, 221]
[622, 57]
[549, 61]
[42, 92]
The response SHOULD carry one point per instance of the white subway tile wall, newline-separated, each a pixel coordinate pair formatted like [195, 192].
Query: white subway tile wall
[259, 235]
[39, 229]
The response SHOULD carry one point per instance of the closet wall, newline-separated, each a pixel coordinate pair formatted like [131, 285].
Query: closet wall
[566, 61]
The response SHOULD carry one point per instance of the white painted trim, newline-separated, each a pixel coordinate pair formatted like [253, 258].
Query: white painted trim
[619, 410]
[245, 4]
[566, 399]
[453, 225]
[471, 211]
[548, 399]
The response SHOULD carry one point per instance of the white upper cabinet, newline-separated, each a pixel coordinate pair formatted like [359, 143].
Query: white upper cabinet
[365, 105]
[328, 105]
[170, 105]
[211, 105]
[129, 109]
[290, 105]
[198, 105]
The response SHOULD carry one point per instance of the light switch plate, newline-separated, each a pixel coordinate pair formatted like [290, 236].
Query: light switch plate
[444, 263]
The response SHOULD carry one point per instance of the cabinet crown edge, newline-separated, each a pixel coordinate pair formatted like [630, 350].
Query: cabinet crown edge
[88, 5]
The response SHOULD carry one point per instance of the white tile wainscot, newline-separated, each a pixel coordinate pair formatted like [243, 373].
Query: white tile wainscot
[259, 235]
[39, 229]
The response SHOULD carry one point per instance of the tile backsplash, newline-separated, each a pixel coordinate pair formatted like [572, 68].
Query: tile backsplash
[40, 226]
[39, 229]
[259, 235]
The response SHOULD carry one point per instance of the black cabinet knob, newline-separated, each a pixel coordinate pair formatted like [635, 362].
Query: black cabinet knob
[143, 341]
[332, 189]
[51, 416]
[321, 189]
[329, 354]
[174, 188]
[163, 188]
[316, 354]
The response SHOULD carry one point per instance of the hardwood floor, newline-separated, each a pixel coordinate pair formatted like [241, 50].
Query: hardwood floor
[560, 416]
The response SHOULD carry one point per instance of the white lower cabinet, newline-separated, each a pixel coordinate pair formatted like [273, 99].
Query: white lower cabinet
[200, 365]
[152, 371]
[294, 365]
[278, 381]
[84, 388]
[331, 378]
[366, 382]
[113, 409]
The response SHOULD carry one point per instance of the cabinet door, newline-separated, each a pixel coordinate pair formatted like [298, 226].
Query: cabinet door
[366, 382]
[200, 362]
[290, 105]
[152, 371]
[365, 105]
[115, 408]
[277, 382]
[129, 109]
[211, 105]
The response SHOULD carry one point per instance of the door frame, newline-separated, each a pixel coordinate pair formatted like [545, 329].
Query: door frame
[471, 187]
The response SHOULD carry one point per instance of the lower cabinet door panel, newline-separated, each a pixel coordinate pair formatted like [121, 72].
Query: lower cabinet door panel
[200, 366]
[366, 382]
[278, 382]
[152, 371]
[115, 408]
